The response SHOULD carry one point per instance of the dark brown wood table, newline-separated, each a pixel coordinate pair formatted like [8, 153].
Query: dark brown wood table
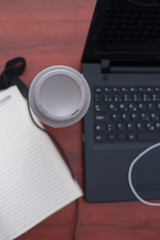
[53, 32]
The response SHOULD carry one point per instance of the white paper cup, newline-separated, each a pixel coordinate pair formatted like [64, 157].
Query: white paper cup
[59, 96]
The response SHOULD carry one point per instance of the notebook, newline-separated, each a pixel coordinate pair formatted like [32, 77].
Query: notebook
[34, 180]
[121, 63]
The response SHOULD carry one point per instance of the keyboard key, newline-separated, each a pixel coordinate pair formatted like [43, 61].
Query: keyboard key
[124, 89]
[100, 127]
[141, 89]
[97, 98]
[100, 137]
[157, 126]
[132, 107]
[102, 117]
[149, 136]
[151, 106]
[137, 97]
[123, 107]
[131, 126]
[150, 126]
[155, 97]
[157, 89]
[112, 137]
[145, 116]
[113, 107]
[158, 106]
[131, 137]
[111, 127]
[135, 116]
[121, 126]
[142, 107]
[126, 116]
[107, 90]
[122, 137]
[140, 126]
[117, 98]
[127, 97]
[100, 108]
[146, 97]
[108, 97]
[115, 117]
[154, 116]
[133, 89]
[98, 90]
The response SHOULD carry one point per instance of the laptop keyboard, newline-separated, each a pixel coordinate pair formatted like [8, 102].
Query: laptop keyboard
[126, 114]
[131, 26]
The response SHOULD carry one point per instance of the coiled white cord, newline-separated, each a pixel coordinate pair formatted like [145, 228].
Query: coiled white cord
[130, 175]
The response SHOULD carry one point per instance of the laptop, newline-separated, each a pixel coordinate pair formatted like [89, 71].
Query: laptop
[121, 62]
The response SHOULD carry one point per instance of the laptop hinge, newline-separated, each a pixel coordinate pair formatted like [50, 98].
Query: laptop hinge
[105, 65]
[108, 66]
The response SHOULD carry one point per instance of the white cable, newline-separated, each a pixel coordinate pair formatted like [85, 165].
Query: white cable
[130, 173]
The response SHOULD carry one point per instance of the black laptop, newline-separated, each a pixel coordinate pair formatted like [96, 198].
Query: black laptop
[121, 62]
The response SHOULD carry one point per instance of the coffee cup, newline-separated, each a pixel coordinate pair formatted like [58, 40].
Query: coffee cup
[59, 96]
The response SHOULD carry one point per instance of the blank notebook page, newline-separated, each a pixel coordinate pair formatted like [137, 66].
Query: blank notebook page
[34, 180]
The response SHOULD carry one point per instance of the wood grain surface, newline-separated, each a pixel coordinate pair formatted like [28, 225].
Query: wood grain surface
[53, 32]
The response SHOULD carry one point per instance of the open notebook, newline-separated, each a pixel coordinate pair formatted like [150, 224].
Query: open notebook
[34, 180]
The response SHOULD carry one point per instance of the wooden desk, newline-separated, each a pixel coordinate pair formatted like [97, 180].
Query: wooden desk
[51, 32]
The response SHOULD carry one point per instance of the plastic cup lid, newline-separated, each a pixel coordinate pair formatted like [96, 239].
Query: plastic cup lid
[59, 96]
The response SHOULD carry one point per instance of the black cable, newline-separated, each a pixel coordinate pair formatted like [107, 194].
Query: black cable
[76, 221]
[10, 75]
[68, 164]
[143, 4]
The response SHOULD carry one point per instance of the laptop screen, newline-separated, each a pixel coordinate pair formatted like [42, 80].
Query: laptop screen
[123, 28]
